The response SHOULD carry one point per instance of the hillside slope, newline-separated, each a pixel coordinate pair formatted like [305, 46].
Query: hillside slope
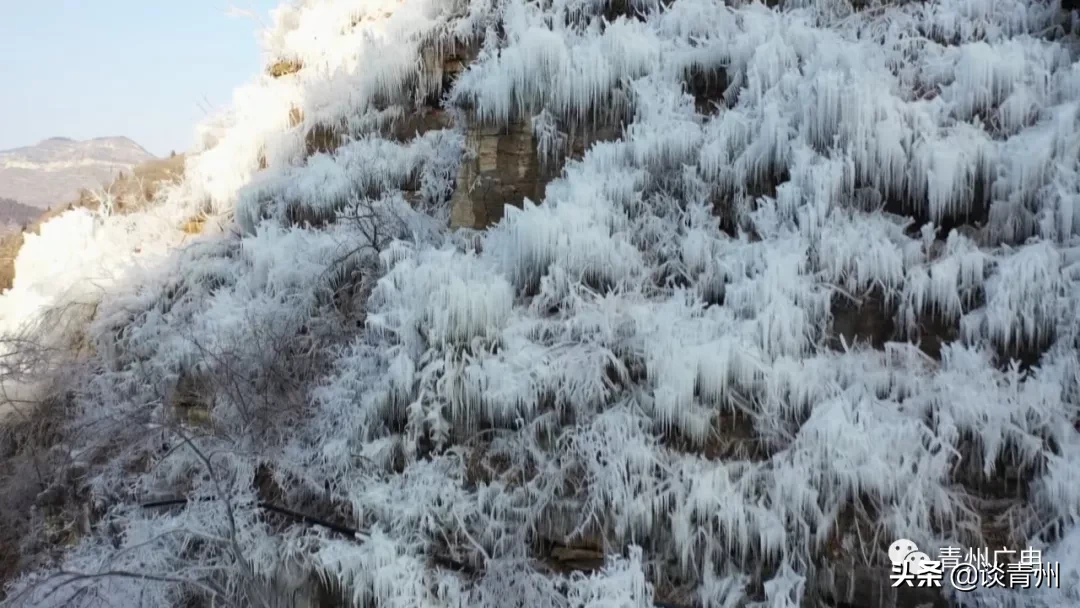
[773, 288]
[13, 215]
[53, 171]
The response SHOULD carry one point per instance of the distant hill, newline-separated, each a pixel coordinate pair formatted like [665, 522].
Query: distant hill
[55, 170]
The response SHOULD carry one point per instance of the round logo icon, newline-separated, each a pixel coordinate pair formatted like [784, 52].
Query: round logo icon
[901, 549]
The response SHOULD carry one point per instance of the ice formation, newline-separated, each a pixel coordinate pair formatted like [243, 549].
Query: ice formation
[649, 362]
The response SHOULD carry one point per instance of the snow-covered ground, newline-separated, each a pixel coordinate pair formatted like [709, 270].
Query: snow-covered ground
[643, 361]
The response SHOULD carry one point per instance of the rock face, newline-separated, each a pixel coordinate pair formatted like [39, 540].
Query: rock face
[505, 169]
[503, 165]
[55, 170]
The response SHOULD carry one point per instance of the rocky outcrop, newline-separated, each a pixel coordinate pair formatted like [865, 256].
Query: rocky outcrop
[283, 68]
[503, 163]
[505, 167]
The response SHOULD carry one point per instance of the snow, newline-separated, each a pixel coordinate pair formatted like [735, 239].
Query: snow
[645, 362]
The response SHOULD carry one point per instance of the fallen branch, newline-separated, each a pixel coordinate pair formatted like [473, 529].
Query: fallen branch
[266, 506]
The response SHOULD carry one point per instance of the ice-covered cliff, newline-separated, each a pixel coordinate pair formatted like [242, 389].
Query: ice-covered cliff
[778, 285]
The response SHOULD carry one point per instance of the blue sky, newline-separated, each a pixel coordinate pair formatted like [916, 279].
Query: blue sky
[138, 68]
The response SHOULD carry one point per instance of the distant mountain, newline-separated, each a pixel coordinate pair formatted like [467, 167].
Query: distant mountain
[53, 171]
[13, 214]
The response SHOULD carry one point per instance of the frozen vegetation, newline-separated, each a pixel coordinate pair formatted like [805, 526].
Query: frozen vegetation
[648, 362]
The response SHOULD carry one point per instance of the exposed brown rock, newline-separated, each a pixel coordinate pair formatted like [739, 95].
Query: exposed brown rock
[570, 558]
[322, 138]
[10, 245]
[284, 67]
[296, 116]
[506, 169]
[440, 68]
[420, 122]
[194, 225]
[579, 143]
[442, 65]
[585, 553]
